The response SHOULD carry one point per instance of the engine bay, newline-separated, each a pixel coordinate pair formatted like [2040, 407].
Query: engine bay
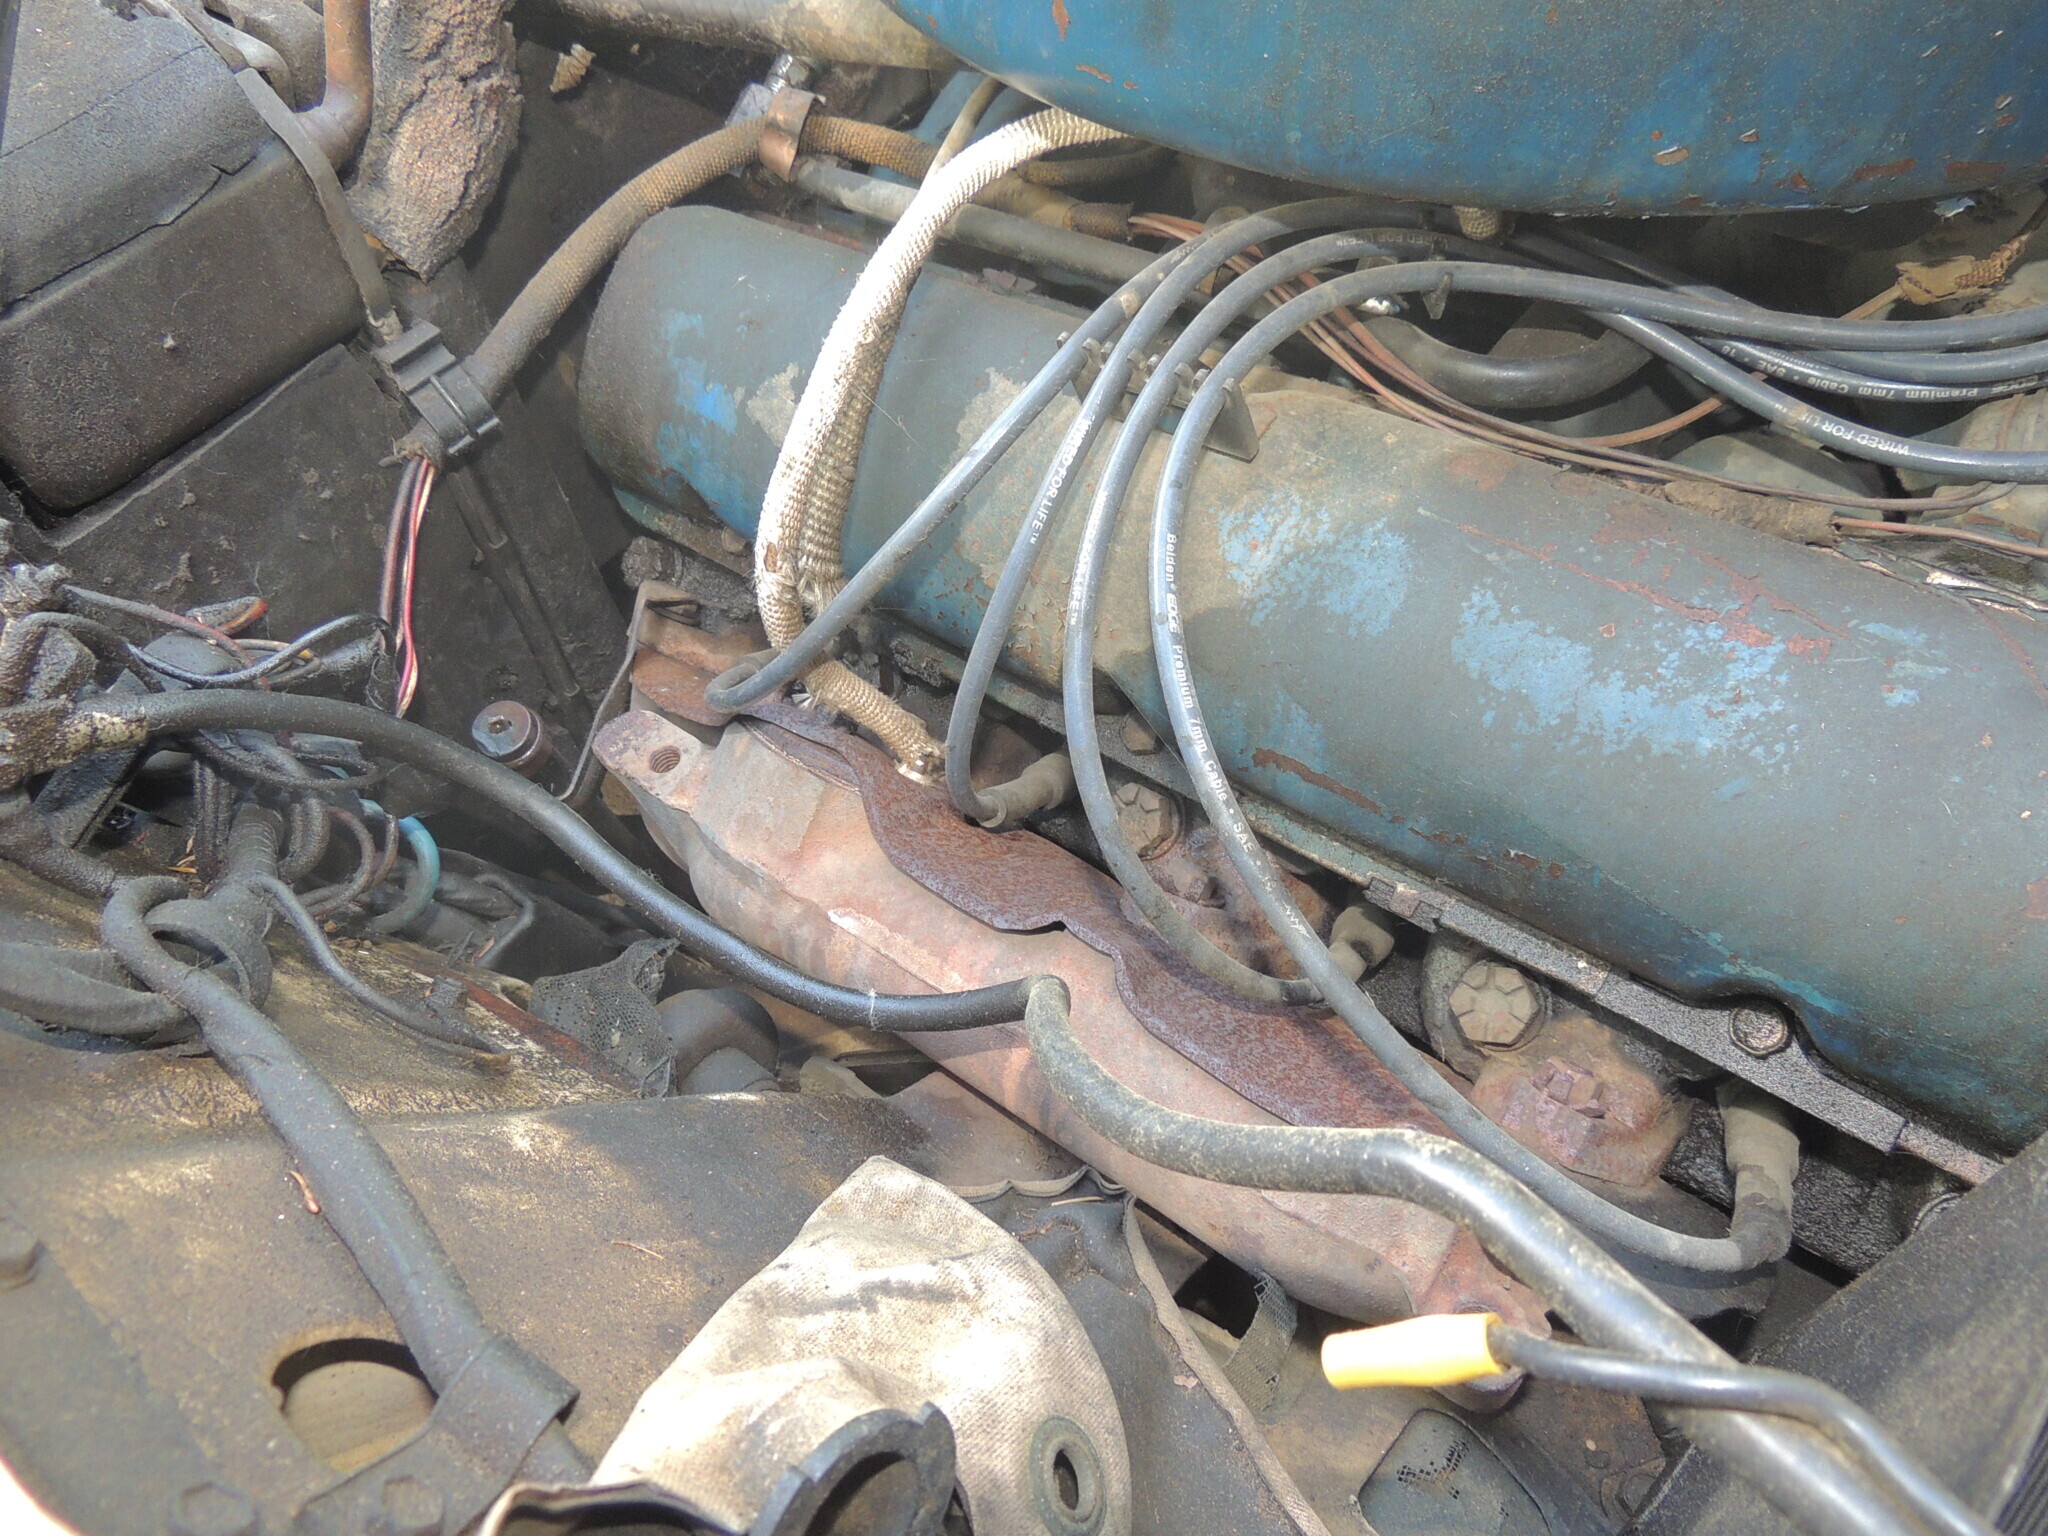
[836, 769]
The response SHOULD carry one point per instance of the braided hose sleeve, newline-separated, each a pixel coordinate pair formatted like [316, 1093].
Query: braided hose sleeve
[798, 540]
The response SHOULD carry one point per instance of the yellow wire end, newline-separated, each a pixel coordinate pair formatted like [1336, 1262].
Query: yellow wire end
[1436, 1351]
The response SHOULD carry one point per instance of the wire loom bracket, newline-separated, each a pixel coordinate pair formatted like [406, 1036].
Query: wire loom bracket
[450, 403]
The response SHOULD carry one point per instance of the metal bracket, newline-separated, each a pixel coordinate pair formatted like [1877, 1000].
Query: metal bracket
[437, 386]
[1233, 432]
[782, 126]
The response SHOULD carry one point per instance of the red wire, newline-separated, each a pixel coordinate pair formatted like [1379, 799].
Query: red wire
[416, 513]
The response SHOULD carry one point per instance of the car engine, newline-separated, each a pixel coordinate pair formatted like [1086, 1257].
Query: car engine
[992, 768]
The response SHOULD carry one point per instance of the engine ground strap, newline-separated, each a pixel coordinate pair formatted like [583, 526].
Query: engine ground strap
[439, 388]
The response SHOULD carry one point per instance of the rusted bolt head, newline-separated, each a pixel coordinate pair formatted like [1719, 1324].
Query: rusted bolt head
[1494, 1004]
[1760, 1029]
[409, 1508]
[19, 1249]
[212, 1509]
[1139, 739]
[1149, 819]
[1573, 1086]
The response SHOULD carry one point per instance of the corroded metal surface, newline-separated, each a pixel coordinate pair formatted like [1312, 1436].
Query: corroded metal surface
[1725, 764]
[1302, 1067]
[770, 823]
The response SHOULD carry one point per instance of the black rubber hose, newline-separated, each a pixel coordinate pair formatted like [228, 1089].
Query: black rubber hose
[1746, 1389]
[1637, 313]
[26, 838]
[1796, 368]
[212, 710]
[307, 827]
[1511, 384]
[1797, 1471]
[85, 989]
[1697, 306]
[738, 688]
[1201, 258]
[1752, 1240]
[406, 1016]
[361, 1194]
[1579, 251]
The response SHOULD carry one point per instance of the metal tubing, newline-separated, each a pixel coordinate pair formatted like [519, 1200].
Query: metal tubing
[1794, 1468]
[1085, 256]
[337, 122]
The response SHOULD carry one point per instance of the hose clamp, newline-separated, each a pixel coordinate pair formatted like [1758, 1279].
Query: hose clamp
[782, 127]
[437, 386]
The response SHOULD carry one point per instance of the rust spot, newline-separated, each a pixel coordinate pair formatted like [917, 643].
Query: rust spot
[1671, 156]
[1734, 623]
[1628, 523]
[1797, 183]
[1883, 172]
[1090, 69]
[2026, 662]
[2004, 122]
[1608, 631]
[1974, 173]
[1060, 18]
[1550, 17]
[2037, 899]
[1750, 137]
[1656, 134]
[1266, 757]
[1130, 85]
[1485, 470]
[1692, 201]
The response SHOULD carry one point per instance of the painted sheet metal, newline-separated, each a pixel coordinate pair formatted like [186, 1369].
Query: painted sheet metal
[1558, 105]
[1731, 765]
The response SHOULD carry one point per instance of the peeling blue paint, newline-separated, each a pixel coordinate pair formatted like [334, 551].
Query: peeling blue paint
[1565, 685]
[1276, 549]
[1911, 638]
[1596, 105]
